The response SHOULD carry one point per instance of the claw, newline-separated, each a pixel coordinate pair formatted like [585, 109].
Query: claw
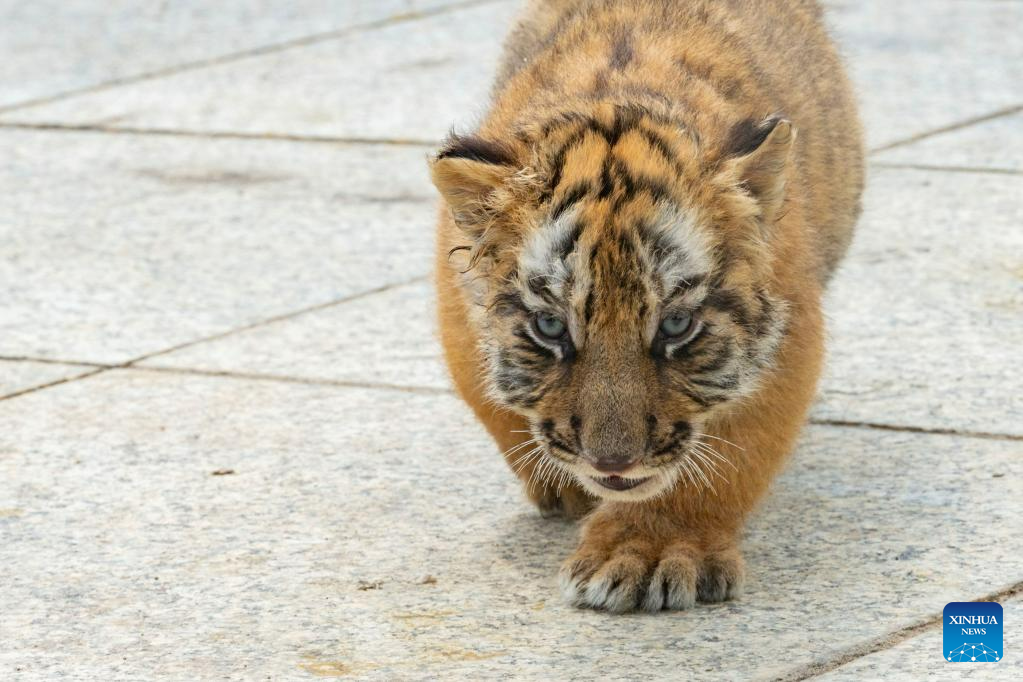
[674, 578]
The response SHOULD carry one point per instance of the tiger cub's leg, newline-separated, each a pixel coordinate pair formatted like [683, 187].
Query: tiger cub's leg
[552, 494]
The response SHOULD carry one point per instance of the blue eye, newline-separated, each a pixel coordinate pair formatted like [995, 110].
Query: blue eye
[677, 325]
[549, 326]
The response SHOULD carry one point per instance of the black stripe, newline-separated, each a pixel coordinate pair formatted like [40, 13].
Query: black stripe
[682, 285]
[633, 185]
[606, 181]
[508, 303]
[728, 301]
[697, 398]
[558, 443]
[727, 383]
[765, 314]
[718, 360]
[477, 149]
[661, 145]
[561, 120]
[558, 160]
[569, 241]
[569, 198]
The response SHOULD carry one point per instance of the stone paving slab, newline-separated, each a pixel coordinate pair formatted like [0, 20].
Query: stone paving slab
[995, 144]
[335, 542]
[905, 304]
[388, 338]
[55, 46]
[20, 376]
[920, 658]
[919, 66]
[412, 80]
[927, 312]
[116, 246]
[955, 60]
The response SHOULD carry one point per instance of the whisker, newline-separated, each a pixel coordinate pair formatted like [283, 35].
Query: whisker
[707, 449]
[548, 469]
[559, 480]
[703, 458]
[521, 462]
[533, 457]
[707, 435]
[532, 475]
[700, 472]
[704, 462]
[538, 470]
[688, 471]
[542, 470]
[517, 447]
[520, 456]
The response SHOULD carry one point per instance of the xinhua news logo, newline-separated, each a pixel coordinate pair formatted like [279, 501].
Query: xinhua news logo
[972, 632]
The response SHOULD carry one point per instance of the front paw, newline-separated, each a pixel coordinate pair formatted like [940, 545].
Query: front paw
[627, 570]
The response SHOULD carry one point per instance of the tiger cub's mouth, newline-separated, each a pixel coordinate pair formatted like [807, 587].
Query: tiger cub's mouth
[620, 483]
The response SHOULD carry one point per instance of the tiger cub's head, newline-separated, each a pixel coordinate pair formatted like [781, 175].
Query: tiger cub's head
[620, 275]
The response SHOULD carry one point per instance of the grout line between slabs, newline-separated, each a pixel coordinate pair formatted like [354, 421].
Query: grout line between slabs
[275, 48]
[51, 361]
[276, 318]
[433, 144]
[885, 642]
[219, 135]
[284, 378]
[130, 364]
[383, 141]
[946, 169]
[916, 429]
[951, 127]
[50, 384]
[256, 376]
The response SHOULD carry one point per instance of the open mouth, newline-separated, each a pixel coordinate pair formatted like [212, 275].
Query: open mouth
[619, 483]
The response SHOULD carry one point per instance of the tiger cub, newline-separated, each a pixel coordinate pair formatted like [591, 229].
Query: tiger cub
[631, 253]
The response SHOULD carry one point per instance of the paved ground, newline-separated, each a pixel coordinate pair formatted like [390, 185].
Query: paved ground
[228, 449]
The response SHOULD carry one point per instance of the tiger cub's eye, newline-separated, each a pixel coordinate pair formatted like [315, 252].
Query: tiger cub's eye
[676, 325]
[549, 326]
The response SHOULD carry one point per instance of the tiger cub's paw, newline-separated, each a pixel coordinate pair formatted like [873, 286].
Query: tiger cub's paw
[632, 572]
[571, 501]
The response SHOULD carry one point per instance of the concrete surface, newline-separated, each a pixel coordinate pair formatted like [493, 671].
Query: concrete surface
[993, 146]
[55, 50]
[921, 66]
[339, 539]
[125, 246]
[20, 376]
[903, 659]
[228, 449]
[351, 87]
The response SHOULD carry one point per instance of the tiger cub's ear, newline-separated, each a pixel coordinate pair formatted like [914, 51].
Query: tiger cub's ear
[468, 172]
[758, 158]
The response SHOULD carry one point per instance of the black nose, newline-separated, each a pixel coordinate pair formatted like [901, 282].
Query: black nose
[616, 465]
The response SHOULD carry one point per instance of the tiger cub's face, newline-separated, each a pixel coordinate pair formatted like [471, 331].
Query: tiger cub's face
[620, 278]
